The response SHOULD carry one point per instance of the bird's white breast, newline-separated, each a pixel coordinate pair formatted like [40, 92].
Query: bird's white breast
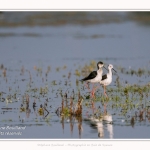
[98, 77]
[107, 81]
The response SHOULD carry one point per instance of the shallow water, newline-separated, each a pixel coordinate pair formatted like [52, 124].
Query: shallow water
[66, 48]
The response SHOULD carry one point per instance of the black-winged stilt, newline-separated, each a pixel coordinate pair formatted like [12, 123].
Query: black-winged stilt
[107, 78]
[105, 81]
[95, 76]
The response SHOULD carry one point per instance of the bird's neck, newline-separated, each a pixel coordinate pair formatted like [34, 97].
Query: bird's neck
[110, 72]
[100, 69]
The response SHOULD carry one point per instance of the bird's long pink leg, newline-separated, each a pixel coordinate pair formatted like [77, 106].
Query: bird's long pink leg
[92, 92]
[105, 105]
[93, 95]
[87, 86]
[105, 91]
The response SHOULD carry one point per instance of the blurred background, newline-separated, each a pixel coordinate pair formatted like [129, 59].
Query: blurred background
[59, 18]
[79, 34]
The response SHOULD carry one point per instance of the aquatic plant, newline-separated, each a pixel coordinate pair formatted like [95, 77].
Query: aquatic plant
[73, 100]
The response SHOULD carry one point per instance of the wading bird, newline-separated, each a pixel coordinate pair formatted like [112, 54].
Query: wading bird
[107, 78]
[94, 77]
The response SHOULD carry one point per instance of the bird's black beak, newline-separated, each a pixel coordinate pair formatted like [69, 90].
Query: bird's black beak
[114, 70]
[105, 68]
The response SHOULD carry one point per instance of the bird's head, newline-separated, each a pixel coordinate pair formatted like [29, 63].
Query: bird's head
[110, 66]
[100, 64]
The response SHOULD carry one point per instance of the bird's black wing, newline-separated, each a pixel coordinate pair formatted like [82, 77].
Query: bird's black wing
[104, 77]
[92, 75]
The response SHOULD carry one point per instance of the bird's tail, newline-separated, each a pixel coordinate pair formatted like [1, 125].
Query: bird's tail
[81, 80]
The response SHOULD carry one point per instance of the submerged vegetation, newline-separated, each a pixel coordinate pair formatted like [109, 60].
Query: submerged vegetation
[37, 92]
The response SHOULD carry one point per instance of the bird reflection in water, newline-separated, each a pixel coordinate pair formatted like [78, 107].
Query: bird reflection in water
[105, 120]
